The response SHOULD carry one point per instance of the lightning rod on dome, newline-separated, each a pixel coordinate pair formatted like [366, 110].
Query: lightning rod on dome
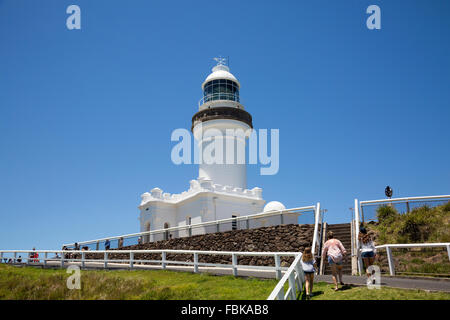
[221, 61]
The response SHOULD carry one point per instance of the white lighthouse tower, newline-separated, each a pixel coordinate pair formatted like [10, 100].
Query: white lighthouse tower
[220, 190]
[220, 116]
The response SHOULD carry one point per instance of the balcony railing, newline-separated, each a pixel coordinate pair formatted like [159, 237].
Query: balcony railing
[219, 96]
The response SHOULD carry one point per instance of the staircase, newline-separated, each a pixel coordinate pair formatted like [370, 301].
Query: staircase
[341, 232]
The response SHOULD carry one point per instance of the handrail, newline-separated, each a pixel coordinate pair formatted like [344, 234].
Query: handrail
[360, 217]
[295, 276]
[404, 199]
[413, 245]
[209, 97]
[202, 224]
[408, 245]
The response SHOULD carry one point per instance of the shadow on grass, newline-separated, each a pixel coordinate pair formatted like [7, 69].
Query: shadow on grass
[346, 287]
[315, 294]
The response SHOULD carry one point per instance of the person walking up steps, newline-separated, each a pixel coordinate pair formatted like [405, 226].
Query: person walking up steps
[335, 252]
[308, 265]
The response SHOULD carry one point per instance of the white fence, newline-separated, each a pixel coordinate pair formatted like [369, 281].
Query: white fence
[63, 256]
[300, 215]
[295, 278]
[294, 274]
[365, 211]
[388, 248]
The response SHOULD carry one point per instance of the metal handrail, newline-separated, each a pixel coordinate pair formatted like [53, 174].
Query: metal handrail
[359, 216]
[202, 224]
[404, 199]
[408, 245]
[227, 96]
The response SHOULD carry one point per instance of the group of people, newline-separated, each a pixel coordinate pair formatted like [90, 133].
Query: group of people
[334, 253]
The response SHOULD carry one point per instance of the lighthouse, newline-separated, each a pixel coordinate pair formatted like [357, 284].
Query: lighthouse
[222, 122]
[221, 127]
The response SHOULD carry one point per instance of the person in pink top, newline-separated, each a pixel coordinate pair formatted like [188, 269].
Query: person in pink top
[335, 251]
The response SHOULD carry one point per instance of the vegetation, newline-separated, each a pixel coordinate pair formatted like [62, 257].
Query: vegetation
[43, 284]
[420, 225]
[50, 284]
[423, 224]
[324, 291]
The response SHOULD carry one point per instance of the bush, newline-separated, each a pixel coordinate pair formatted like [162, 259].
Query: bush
[386, 213]
[422, 224]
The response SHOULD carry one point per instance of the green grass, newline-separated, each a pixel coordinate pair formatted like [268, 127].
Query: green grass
[42, 284]
[30, 283]
[421, 224]
[324, 291]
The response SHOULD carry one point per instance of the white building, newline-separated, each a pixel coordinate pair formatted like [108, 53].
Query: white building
[220, 191]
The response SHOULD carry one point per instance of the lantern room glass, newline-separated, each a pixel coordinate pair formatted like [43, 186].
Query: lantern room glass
[221, 89]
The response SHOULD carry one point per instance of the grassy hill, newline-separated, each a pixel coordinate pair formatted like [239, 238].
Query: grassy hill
[50, 284]
[420, 225]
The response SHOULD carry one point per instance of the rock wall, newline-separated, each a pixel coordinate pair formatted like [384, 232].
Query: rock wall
[292, 237]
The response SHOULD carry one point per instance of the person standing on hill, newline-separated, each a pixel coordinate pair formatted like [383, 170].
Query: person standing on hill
[335, 251]
[107, 244]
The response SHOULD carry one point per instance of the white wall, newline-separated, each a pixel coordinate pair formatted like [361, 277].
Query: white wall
[200, 208]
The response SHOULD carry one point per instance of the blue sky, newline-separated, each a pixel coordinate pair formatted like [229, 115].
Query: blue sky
[86, 115]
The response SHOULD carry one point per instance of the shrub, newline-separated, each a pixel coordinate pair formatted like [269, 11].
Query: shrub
[386, 213]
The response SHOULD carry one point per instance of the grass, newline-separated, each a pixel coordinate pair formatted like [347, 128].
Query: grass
[30, 283]
[421, 224]
[324, 291]
[50, 284]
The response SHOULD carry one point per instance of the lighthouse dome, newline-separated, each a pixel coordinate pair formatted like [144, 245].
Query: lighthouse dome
[274, 206]
[220, 72]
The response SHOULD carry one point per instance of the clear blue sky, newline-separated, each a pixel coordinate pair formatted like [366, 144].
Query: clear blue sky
[86, 116]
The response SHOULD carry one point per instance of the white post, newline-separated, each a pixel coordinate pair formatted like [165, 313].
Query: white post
[131, 260]
[45, 259]
[448, 252]
[292, 286]
[1, 257]
[316, 228]
[106, 260]
[196, 262]
[358, 254]
[163, 259]
[234, 264]
[62, 259]
[300, 277]
[280, 295]
[82, 259]
[391, 261]
[15, 256]
[277, 267]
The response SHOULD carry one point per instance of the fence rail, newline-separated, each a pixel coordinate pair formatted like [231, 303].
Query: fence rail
[365, 211]
[389, 247]
[367, 208]
[295, 278]
[309, 214]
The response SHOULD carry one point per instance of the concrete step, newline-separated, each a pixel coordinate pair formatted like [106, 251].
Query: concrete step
[342, 232]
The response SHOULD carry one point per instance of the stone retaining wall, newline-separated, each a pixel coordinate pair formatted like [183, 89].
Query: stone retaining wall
[281, 238]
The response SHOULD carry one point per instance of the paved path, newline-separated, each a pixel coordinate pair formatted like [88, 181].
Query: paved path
[434, 284]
